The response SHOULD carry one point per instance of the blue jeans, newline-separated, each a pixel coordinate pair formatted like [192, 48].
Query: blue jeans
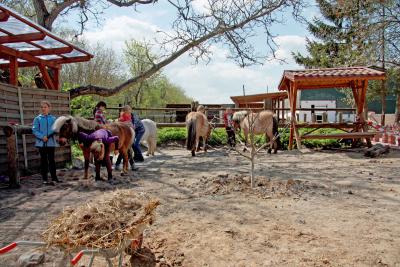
[136, 145]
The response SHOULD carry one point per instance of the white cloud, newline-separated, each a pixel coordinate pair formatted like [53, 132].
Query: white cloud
[117, 30]
[212, 83]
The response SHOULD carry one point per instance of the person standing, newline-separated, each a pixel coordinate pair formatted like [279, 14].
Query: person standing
[126, 117]
[45, 142]
[229, 127]
[98, 113]
[139, 132]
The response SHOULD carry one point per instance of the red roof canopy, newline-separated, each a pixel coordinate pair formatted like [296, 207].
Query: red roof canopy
[33, 45]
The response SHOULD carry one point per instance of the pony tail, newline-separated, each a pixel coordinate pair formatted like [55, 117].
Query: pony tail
[191, 138]
[275, 131]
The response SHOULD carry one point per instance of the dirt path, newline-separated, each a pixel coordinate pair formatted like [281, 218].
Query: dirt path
[308, 209]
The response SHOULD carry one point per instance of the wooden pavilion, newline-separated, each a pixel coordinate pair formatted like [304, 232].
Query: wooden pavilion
[24, 43]
[272, 101]
[354, 78]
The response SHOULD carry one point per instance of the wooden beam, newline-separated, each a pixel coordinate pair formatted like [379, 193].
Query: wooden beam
[56, 78]
[13, 71]
[27, 57]
[46, 77]
[356, 135]
[70, 60]
[4, 16]
[50, 51]
[291, 123]
[22, 37]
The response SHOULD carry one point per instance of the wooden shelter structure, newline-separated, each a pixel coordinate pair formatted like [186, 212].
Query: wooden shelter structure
[354, 78]
[272, 101]
[23, 43]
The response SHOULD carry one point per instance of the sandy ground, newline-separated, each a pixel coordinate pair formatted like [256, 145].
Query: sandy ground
[309, 208]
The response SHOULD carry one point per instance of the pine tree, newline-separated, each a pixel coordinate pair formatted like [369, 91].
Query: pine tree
[342, 35]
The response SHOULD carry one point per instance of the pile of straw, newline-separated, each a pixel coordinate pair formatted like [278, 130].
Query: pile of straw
[108, 221]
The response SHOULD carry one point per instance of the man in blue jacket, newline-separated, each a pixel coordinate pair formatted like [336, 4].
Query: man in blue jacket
[45, 141]
[139, 132]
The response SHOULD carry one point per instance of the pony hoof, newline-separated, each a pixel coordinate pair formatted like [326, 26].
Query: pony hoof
[193, 154]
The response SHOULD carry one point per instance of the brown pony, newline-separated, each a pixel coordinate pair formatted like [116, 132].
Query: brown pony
[197, 126]
[67, 127]
[263, 122]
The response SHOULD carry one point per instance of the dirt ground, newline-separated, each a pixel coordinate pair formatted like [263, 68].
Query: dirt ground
[309, 208]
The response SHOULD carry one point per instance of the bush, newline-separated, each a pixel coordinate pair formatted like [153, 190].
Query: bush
[219, 137]
[171, 134]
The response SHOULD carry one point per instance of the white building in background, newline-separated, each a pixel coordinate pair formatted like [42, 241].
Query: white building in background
[318, 114]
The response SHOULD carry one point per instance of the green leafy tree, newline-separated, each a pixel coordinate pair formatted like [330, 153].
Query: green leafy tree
[345, 36]
[155, 91]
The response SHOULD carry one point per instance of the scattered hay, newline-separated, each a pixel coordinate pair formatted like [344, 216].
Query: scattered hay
[108, 221]
[264, 187]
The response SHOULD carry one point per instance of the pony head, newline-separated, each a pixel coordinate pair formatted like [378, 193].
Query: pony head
[65, 127]
[97, 149]
[238, 117]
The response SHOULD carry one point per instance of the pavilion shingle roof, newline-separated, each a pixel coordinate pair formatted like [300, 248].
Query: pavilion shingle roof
[330, 76]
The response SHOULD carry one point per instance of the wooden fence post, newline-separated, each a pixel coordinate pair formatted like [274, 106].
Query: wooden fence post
[325, 117]
[12, 157]
[340, 117]
[313, 117]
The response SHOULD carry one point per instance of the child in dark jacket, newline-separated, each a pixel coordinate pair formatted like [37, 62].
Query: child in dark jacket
[45, 142]
[139, 132]
[229, 127]
[98, 113]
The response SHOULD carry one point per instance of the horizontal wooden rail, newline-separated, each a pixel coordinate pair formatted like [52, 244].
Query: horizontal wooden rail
[327, 125]
[340, 136]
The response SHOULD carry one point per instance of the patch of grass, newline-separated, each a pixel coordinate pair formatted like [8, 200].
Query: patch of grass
[76, 151]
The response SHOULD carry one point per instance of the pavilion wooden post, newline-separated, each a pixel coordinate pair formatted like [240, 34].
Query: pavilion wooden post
[293, 128]
[359, 89]
[46, 77]
[56, 78]
[13, 71]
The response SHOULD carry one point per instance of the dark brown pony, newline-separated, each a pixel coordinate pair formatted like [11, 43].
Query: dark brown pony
[197, 126]
[67, 127]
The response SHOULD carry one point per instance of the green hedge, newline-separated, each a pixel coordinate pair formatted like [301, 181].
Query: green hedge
[219, 137]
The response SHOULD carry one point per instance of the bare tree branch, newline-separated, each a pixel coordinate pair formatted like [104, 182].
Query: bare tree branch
[194, 33]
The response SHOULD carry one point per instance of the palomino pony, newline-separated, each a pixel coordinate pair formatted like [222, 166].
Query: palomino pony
[263, 122]
[68, 127]
[197, 126]
[150, 136]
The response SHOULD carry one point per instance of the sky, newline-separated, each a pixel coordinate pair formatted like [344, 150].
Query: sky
[221, 78]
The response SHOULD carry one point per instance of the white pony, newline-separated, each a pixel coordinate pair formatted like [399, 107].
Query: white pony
[150, 136]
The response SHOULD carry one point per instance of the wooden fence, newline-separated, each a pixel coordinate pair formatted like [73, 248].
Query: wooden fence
[20, 105]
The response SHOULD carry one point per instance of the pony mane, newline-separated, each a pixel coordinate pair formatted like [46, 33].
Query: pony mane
[60, 121]
[76, 122]
[84, 123]
[239, 115]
